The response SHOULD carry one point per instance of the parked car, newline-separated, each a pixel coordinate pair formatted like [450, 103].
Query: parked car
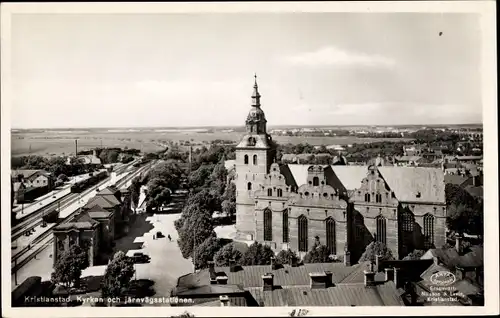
[141, 258]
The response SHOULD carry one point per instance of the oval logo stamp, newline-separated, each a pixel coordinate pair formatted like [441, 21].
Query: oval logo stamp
[443, 278]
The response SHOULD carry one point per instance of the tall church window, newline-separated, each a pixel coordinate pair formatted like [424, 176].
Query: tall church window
[269, 192]
[249, 186]
[279, 193]
[330, 236]
[285, 226]
[381, 229]
[268, 225]
[254, 160]
[428, 230]
[378, 198]
[246, 159]
[303, 237]
[367, 197]
[315, 181]
[407, 221]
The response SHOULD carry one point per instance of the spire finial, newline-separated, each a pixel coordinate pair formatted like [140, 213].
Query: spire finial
[255, 78]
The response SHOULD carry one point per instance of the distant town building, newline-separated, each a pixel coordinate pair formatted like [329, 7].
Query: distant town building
[32, 178]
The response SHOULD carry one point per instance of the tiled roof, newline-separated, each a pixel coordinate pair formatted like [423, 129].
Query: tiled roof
[238, 301]
[408, 158]
[99, 214]
[104, 201]
[75, 225]
[251, 276]
[350, 176]
[339, 295]
[407, 182]
[111, 190]
[27, 173]
[358, 275]
[260, 142]
[454, 179]
[450, 257]
[476, 192]
[469, 157]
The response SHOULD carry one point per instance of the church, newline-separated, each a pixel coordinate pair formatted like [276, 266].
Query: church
[345, 207]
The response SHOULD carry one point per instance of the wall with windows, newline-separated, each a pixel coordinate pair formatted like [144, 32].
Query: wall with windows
[251, 167]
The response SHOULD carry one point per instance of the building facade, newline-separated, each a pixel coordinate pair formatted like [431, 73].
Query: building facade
[344, 207]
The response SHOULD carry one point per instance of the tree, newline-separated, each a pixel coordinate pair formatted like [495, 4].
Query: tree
[63, 177]
[135, 190]
[226, 254]
[169, 172]
[195, 229]
[112, 156]
[118, 275]
[199, 177]
[376, 248]
[257, 254]
[229, 200]
[415, 255]
[206, 251]
[69, 266]
[158, 193]
[284, 256]
[318, 254]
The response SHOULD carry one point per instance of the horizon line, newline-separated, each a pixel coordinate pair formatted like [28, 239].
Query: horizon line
[241, 126]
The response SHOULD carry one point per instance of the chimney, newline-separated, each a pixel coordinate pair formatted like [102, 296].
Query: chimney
[377, 263]
[459, 273]
[318, 280]
[369, 278]
[232, 265]
[222, 280]
[347, 258]
[458, 244]
[268, 282]
[293, 261]
[224, 300]
[273, 263]
[389, 274]
[397, 277]
[329, 280]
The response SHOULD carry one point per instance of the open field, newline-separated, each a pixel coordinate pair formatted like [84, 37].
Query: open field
[51, 142]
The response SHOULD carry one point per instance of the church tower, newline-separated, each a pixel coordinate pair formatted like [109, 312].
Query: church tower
[254, 156]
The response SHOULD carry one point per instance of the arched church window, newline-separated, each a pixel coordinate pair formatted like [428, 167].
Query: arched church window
[407, 221]
[280, 193]
[303, 237]
[269, 192]
[381, 229]
[254, 160]
[315, 181]
[428, 231]
[330, 236]
[268, 225]
[246, 159]
[367, 197]
[285, 226]
[249, 186]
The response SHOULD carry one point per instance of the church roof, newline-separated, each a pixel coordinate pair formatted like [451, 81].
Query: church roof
[407, 182]
[298, 173]
[260, 142]
[350, 176]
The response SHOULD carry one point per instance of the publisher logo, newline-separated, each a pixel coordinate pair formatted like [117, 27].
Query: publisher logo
[443, 278]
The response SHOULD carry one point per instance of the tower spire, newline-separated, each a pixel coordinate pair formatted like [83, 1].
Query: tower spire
[255, 95]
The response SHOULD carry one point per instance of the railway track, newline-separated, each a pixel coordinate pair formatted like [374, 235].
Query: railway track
[45, 239]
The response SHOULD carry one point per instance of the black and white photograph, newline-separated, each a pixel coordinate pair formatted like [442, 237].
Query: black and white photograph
[291, 157]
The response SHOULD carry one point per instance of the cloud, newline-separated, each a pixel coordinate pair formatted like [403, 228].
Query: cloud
[334, 56]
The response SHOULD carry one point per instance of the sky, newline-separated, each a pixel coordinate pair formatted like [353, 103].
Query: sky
[164, 70]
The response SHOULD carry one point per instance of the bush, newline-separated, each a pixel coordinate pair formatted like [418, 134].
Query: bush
[257, 254]
[318, 254]
[376, 248]
[284, 256]
[225, 254]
